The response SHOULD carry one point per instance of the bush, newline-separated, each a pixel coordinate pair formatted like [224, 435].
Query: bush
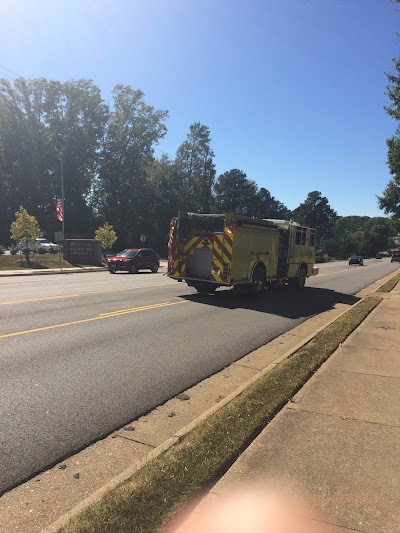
[53, 250]
[41, 250]
[321, 258]
[14, 250]
[2, 250]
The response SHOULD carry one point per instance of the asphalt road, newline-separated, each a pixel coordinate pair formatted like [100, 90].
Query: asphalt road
[83, 354]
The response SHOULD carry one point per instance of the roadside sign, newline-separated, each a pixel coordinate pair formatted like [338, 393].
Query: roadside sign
[58, 236]
[143, 237]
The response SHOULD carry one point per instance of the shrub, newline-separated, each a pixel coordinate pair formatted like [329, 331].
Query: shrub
[53, 250]
[2, 250]
[41, 250]
[14, 250]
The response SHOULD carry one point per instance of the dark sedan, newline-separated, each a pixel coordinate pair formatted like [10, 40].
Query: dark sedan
[356, 260]
[134, 259]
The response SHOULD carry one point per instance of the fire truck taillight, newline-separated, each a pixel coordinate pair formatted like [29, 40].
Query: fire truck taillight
[229, 230]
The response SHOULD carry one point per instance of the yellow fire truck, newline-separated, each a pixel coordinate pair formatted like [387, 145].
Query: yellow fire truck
[209, 251]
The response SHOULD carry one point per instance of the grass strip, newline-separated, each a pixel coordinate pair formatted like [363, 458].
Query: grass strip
[146, 501]
[13, 262]
[389, 285]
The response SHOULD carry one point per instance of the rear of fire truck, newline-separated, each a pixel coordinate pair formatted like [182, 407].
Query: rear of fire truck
[200, 250]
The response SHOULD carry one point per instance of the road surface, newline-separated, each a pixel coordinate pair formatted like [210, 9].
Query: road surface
[83, 354]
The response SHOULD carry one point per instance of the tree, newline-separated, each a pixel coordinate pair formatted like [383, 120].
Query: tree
[362, 235]
[25, 229]
[40, 121]
[106, 234]
[270, 207]
[316, 212]
[194, 161]
[234, 190]
[390, 199]
[120, 190]
[164, 197]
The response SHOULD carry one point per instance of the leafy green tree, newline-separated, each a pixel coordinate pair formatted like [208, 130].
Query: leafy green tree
[40, 121]
[106, 234]
[361, 235]
[24, 229]
[316, 212]
[270, 207]
[120, 190]
[234, 190]
[194, 161]
[390, 199]
[163, 199]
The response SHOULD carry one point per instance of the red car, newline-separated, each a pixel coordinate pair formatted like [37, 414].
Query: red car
[134, 259]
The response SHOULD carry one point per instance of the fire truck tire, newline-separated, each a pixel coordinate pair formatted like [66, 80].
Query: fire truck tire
[133, 269]
[257, 281]
[205, 288]
[300, 281]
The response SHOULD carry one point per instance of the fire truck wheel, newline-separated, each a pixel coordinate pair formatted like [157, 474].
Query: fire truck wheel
[133, 269]
[205, 288]
[300, 281]
[257, 281]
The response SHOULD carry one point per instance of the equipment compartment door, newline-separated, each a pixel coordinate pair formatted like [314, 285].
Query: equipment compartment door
[241, 255]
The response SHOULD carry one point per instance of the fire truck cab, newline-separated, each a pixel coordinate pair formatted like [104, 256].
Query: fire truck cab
[209, 251]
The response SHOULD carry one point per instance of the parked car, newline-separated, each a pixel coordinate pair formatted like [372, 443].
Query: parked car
[45, 244]
[356, 260]
[134, 259]
[395, 257]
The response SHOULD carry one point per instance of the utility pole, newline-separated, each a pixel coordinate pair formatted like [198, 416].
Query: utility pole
[62, 196]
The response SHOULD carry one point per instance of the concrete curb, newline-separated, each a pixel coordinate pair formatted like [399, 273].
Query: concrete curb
[179, 436]
[39, 272]
[70, 270]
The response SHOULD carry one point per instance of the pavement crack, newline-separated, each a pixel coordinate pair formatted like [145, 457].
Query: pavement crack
[137, 441]
[344, 417]
[367, 374]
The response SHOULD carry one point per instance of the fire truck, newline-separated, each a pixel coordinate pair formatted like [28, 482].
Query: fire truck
[208, 251]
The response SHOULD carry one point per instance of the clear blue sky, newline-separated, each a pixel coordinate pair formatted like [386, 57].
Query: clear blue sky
[293, 91]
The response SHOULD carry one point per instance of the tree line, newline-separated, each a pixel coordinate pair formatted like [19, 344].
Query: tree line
[113, 175]
[390, 199]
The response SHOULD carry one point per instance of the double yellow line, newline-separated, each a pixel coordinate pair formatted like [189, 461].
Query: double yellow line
[101, 316]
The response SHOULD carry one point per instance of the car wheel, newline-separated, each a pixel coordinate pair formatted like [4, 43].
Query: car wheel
[154, 268]
[111, 271]
[133, 269]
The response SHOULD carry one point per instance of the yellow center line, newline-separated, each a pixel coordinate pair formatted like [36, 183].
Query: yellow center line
[76, 295]
[333, 273]
[92, 319]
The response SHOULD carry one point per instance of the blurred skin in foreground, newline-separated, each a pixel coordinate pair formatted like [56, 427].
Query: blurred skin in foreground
[253, 510]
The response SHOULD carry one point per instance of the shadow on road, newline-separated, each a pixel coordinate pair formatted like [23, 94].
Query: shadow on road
[278, 301]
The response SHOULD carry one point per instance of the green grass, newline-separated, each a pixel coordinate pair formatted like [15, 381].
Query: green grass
[390, 285]
[146, 501]
[13, 262]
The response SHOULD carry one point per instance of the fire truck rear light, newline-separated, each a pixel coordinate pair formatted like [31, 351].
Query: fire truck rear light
[229, 230]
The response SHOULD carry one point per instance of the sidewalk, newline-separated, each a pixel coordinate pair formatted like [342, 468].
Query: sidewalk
[338, 442]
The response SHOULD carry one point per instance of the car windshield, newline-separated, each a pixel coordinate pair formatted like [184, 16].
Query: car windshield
[128, 253]
[43, 241]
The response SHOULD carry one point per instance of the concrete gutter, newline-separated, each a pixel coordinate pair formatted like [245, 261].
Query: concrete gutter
[46, 271]
[69, 270]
